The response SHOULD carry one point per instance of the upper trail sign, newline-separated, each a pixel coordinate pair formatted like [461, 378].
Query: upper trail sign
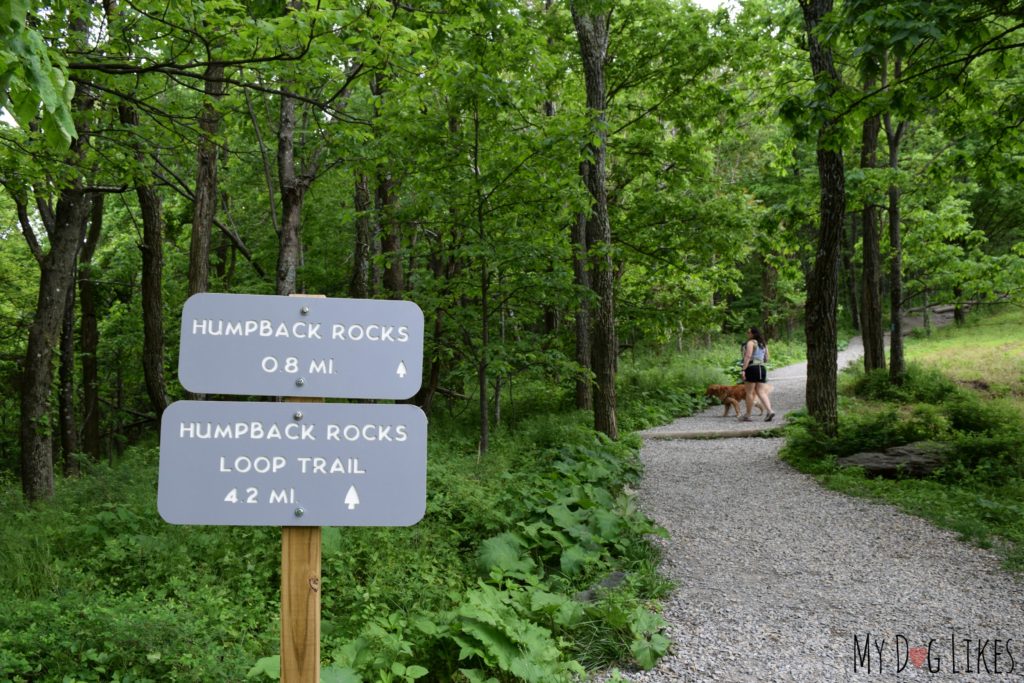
[288, 346]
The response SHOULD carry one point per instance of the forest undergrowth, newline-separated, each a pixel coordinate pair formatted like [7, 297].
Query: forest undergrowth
[533, 561]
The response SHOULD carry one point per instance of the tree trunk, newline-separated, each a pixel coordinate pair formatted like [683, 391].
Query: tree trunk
[118, 435]
[592, 34]
[822, 296]
[959, 317]
[850, 271]
[66, 397]
[56, 278]
[485, 293]
[769, 296]
[292, 194]
[295, 179]
[584, 384]
[65, 229]
[425, 398]
[552, 316]
[445, 267]
[229, 276]
[897, 363]
[223, 256]
[152, 254]
[926, 317]
[89, 335]
[360, 284]
[152, 297]
[498, 383]
[205, 201]
[822, 284]
[376, 272]
[152, 279]
[393, 279]
[871, 310]
[485, 430]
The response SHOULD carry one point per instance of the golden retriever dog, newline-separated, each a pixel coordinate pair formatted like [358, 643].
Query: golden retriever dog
[731, 395]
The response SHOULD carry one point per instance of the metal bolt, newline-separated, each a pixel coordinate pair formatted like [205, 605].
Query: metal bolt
[304, 310]
[298, 415]
[299, 382]
[299, 512]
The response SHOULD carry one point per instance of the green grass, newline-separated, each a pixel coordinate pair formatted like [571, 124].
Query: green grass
[985, 355]
[964, 388]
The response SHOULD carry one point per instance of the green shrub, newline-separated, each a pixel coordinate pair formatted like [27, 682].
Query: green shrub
[920, 385]
[990, 458]
[655, 396]
[129, 637]
[878, 428]
[969, 413]
[926, 422]
[553, 430]
[618, 623]
[28, 569]
[489, 629]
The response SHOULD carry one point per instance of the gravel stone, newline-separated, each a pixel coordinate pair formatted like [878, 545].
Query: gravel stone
[776, 577]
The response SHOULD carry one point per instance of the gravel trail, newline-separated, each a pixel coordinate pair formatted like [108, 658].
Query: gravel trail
[779, 579]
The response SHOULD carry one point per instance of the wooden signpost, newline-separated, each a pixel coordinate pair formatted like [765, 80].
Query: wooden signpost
[300, 604]
[301, 549]
[301, 463]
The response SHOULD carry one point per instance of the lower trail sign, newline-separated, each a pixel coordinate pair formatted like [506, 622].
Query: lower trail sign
[292, 464]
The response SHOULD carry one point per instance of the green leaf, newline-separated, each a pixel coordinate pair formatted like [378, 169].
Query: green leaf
[608, 523]
[12, 14]
[647, 652]
[575, 558]
[415, 671]
[425, 625]
[339, 674]
[568, 520]
[564, 610]
[477, 676]
[648, 642]
[267, 667]
[39, 71]
[25, 105]
[504, 552]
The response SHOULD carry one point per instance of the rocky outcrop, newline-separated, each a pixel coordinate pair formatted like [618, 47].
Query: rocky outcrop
[916, 460]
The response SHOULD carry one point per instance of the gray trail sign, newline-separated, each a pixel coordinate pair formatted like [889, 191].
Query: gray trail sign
[292, 464]
[290, 346]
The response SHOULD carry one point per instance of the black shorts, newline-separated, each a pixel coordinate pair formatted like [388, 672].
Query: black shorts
[755, 373]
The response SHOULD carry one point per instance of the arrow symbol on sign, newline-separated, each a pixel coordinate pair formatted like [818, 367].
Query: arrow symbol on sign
[351, 498]
[401, 372]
